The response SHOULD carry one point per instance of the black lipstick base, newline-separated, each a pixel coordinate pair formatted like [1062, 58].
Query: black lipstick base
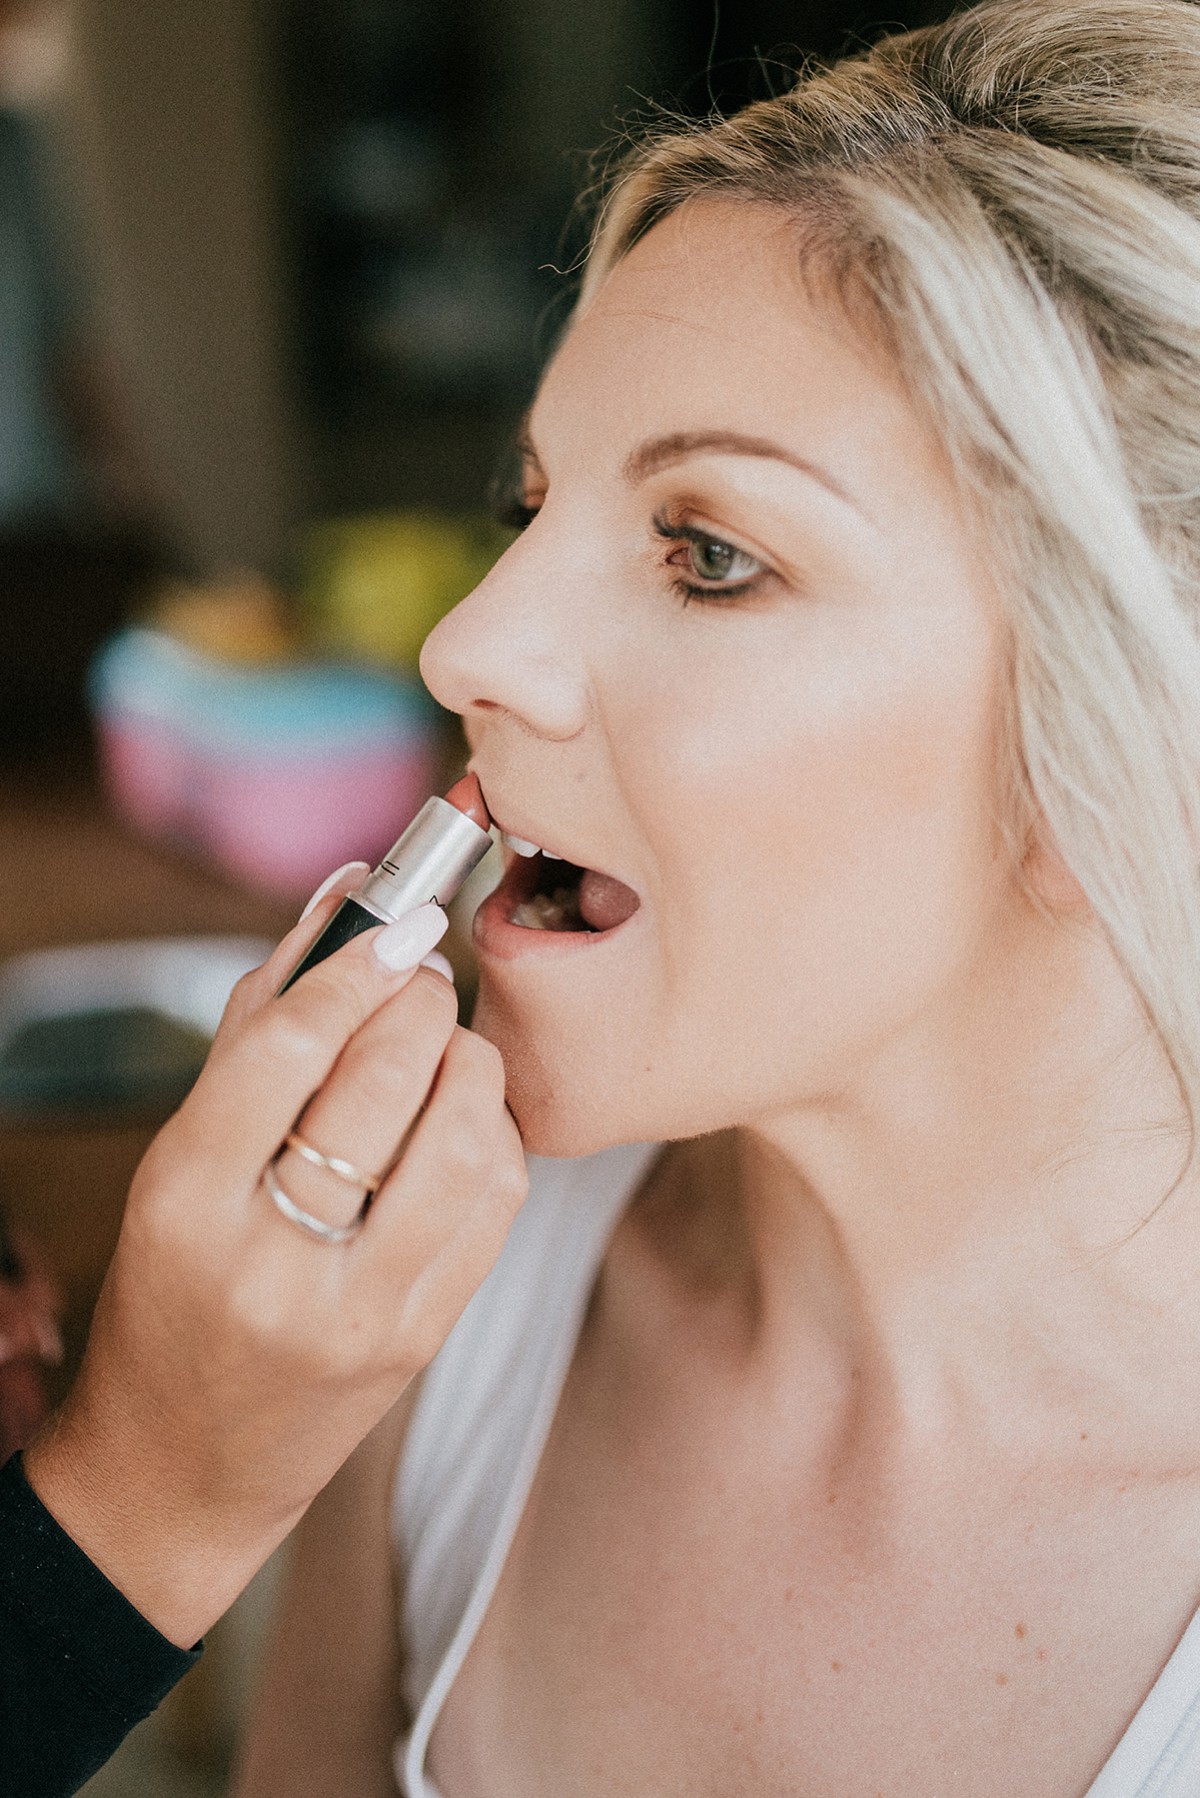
[348, 921]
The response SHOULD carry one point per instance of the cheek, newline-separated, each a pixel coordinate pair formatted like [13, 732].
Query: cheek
[828, 845]
[822, 860]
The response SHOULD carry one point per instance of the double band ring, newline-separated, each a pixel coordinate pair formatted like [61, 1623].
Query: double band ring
[345, 1170]
[312, 1226]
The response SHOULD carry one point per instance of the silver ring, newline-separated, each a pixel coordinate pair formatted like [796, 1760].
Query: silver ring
[313, 1226]
[345, 1170]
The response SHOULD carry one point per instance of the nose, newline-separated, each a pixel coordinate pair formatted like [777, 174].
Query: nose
[508, 648]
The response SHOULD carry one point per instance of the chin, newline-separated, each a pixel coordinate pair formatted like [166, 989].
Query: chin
[558, 1113]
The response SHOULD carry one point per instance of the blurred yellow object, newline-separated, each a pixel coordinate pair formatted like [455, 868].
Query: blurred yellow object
[242, 618]
[375, 586]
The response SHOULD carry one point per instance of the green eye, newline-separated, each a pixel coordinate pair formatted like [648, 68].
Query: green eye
[712, 560]
[719, 571]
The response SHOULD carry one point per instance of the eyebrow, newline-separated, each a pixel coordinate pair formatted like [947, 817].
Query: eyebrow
[658, 453]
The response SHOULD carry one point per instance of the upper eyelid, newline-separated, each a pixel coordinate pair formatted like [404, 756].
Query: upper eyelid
[518, 489]
[520, 471]
[731, 586]
[682, 530]
[513, 511]
[667, 527]
[529, 488]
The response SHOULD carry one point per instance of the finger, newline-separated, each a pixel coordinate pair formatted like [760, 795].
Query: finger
[250, 1093]
[436, 1293]
[342, 880]
[456, 1150]
[364, 1110]
[443, 1290]
[257, 987]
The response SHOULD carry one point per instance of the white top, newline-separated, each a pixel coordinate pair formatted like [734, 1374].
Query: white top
[478, 1432]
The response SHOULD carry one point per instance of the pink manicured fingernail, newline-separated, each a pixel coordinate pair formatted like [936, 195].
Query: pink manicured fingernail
[328, 885]
[440, 965]
[407, 941]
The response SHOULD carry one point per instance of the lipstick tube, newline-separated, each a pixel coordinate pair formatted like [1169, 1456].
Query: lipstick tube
[430, 861]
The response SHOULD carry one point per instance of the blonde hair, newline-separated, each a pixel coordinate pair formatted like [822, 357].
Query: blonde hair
[1016, 195]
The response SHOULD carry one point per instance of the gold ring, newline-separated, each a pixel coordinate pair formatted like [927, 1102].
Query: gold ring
[345, 1170]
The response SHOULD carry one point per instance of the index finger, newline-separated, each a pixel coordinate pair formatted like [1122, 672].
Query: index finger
[256, 988]
[260, 1076]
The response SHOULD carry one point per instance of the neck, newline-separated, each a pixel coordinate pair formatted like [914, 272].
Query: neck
[969, 1213]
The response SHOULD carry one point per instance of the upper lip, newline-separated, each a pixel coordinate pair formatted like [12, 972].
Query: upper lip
[517, 824]
[513, 824]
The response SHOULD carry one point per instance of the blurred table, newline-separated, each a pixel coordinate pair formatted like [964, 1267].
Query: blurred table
[70, 873]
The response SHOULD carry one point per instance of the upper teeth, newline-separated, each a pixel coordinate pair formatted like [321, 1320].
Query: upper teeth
[522, 847]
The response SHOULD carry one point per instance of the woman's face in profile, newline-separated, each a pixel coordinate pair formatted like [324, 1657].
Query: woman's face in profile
[747, 659]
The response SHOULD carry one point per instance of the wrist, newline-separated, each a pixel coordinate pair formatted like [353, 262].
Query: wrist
[178, 1561]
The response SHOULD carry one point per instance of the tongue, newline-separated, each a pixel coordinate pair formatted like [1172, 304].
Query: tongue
[604, 902]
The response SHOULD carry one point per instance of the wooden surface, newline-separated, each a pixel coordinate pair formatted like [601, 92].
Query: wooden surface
[71, 873]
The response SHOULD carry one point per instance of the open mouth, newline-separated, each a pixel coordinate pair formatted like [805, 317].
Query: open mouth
[540, 892]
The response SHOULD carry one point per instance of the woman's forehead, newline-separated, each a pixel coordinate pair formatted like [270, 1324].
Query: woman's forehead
[709, 325]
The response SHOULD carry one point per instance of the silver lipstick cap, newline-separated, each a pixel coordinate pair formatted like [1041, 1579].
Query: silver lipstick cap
[430, 861]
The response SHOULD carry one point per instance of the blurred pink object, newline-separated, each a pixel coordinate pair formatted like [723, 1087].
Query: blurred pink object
[284, 828]
[278, 773]
[146, 771]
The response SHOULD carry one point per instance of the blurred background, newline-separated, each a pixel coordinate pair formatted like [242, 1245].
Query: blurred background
[276, 281]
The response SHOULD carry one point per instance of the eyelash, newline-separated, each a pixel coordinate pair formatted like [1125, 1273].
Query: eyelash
[517, 514]
[716, 594]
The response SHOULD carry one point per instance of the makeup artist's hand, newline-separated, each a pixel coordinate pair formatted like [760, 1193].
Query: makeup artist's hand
[235, 1361]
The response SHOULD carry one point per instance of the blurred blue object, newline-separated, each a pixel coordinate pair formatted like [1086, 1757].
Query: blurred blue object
[307, 707]
[279, 771]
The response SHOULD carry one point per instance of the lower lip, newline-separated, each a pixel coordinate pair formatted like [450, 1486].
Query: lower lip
[497, 937]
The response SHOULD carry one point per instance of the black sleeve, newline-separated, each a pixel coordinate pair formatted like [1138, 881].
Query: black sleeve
[79, 1666]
